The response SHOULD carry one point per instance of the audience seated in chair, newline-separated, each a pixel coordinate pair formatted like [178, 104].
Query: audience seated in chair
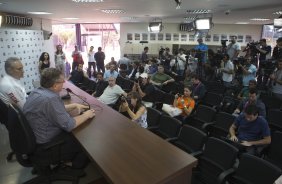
[11, 89]
[253, 99]
[136, 110]
[77, 75]
[250, 130]
[111, 72]
[244, 93]
[144, 88]
[184, 102]
[50, 120]
[100, 85]
[198, 89]
[112, 93]
[160, 78]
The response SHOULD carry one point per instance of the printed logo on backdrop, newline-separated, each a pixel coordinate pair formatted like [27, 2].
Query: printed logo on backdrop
[24, 44]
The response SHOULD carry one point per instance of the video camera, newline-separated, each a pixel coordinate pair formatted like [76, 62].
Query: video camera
[123, 99]
[239, 61]
[223, 43]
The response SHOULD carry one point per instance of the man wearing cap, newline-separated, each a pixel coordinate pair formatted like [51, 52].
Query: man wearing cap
[145, 89]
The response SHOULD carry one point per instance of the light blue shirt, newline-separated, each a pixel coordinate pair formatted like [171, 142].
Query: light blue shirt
[204, 48]
[251, 76]
[109, 74]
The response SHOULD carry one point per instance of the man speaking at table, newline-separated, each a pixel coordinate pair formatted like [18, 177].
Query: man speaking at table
[50, 120]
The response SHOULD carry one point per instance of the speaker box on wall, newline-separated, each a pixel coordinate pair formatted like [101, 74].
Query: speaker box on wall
[17, 20]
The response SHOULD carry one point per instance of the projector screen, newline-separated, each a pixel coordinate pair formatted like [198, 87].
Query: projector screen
[202, 24]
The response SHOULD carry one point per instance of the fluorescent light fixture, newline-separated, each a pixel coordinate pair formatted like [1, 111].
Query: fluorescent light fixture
[200, 11]
[71, 18]
[0, 20]
[277, 22]
[203, 24]
[278, 13]
[155, 27]
[113, 11]
[189, 18]
[242, 23]
[40, 13]
[259, 19]
[88, 1]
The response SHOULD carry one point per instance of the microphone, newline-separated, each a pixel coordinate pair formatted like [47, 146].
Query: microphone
[70, 91]
[66, 96]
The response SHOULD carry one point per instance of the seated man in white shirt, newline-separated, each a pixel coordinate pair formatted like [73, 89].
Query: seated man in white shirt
[11, 89]
[112, 92]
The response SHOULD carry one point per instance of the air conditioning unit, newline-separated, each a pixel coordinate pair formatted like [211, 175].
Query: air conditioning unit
[18, 20]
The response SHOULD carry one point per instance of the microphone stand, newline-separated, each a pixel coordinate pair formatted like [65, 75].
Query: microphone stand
[70, 91]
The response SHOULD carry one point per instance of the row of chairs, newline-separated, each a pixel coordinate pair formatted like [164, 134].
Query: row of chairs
[191, 139]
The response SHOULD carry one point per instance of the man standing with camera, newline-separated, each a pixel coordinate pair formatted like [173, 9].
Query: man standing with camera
[264, 51]
[249, 71]
[276, 77]
[233, 48]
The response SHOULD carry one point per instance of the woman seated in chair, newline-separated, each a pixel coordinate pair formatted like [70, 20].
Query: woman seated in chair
[185, 102]
[136, 110]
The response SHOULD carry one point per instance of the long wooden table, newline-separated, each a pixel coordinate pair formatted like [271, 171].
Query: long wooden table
[127, 153]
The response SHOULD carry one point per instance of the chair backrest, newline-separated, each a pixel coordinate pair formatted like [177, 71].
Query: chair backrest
[153, 117]
[274, 154]
[169, 126]
[22, 138]
[205, 113]
[218, 156]
[212, 99]
[215, 87]
[220, 152]
[270, 102]
[168, 98]
[3, 113]
[254, 170]
[223, 121]
[274, 119]
[192, 138]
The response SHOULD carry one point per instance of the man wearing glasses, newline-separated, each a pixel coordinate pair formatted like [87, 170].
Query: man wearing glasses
[50, 120]
[11, 89]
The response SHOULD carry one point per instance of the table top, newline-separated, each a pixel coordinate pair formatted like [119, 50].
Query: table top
[125, 152]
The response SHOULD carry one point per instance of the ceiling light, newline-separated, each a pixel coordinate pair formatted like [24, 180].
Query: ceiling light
[189, 18]
[259, 19]
[278, 13]
[0, 20]
[71, 18]
[39, 13]
[200, 11]
[242, 23]
[88, 1]
[113, 11]
[129, 18]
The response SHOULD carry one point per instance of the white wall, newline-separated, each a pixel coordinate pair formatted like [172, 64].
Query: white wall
[26, 43]
[134, 47]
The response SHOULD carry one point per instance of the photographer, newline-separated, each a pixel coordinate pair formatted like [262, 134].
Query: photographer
[264, 51]
[144, 88]
[136, 110]
[276, 78]
[277, 51]
[249, 71]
